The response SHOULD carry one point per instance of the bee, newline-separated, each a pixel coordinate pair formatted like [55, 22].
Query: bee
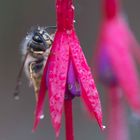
[36, 48]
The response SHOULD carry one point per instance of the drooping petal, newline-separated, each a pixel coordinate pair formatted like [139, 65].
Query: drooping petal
[41, 98]
[58, 67]
[89, 91]
[117, 122]
[117, 44]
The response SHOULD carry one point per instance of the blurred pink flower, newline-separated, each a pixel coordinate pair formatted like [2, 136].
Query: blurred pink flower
[67, 74]
[115, 65]
[117, 127]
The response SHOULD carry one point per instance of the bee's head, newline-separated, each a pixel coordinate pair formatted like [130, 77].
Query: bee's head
[41, 41]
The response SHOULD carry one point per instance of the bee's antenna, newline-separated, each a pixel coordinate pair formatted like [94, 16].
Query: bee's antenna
[50, 27]
[18, 83]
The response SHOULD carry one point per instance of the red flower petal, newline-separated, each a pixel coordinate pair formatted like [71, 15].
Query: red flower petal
[89, 91]
[58, 67]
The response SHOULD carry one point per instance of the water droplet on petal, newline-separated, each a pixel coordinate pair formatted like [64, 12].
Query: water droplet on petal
[74, 21]
[42, 116]
[69, 31]
[72, 6]
[103, 127]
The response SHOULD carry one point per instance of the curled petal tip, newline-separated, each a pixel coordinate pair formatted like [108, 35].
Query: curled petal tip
[33, 130]
[42, 116]
[35, 125]
[103, 127]
[57, 135]
[57, 131]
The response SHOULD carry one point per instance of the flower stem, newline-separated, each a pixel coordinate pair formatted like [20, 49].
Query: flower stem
[68, 120]
[111, 8]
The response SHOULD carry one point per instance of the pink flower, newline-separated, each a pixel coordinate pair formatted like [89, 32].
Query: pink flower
[67, 74]
[115, 65]
[115, 59]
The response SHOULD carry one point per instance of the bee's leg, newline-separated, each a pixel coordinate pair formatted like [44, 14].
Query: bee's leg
[34, 79]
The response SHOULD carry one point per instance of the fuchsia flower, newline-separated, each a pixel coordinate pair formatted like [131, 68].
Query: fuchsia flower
[115, 65]
[67, 74]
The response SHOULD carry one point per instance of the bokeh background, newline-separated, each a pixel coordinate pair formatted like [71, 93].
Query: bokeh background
[16, 18]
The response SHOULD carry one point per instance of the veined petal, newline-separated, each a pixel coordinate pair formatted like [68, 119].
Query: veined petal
[58, 67]
[89, 91]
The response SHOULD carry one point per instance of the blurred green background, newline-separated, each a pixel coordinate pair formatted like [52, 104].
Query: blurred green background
[16, 18]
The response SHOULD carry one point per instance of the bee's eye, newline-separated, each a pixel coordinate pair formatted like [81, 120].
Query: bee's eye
[37, 39]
